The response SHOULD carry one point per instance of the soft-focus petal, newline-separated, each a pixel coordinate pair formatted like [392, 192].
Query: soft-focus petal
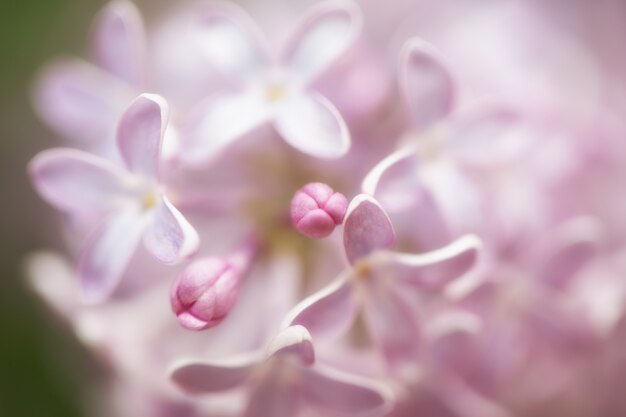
[77, 181]
[367, 228]
[426, 82]
[310, 123]
[294, 340]
[273, 397]
[204, 377]
[489, 138]
[105, 258]
[344, 394]
[328, 313]
[220, 121]
[395, 181]
[79, 101]
[169, 237]
[231, 41]
[140, 134]
[433, 270]
[575, 244]
[324, 36]
[392, 325]
[119, 41]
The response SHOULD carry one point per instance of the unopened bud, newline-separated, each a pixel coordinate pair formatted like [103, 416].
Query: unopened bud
[205, 292]
[316, 209]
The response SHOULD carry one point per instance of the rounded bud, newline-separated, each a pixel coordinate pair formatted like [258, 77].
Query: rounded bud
[316, 209]
[205, 292]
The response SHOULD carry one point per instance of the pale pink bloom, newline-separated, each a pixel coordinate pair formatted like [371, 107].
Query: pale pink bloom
[283, 379]
[83, 101]
[430, 171]
[377, 281]
[272, 89]
[316, 209]
[130, 201]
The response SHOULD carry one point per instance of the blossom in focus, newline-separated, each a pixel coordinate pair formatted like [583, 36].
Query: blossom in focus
[130, 201]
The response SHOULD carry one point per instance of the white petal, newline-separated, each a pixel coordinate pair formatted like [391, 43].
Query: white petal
[169, 237]
[310, 123]
[324, 35]
[105, 258]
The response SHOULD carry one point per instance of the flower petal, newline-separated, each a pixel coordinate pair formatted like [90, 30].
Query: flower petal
[341, 393]
[310, 123]
[119, 41]
[325, 34]
[395, 180]
[328, 313]
[169, 237]
[436, 269]
[294, 340]
[271, 397]
[77, 181]
[140, 134]
[367, 228]
[105, 258]
[489, 138]
[574, 244]
[231, 41]
[205, 377]
[220, 121]
[426, 82]
[399, 343]
[79, 101]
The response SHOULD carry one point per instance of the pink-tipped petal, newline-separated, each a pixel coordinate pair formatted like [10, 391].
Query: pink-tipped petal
[169, 237]
[231, 41]
[311, 124]
[327, 314]
[426, 82]
[202, 377]
[119, 44]
[367, 228]
[316, 209]
[140, 134]
[77, 181]
[105, 258]
[344, 394]
[293, 341]
[220, 121]
[325, 34]
[395, 180]
[434, 270]
[399, 342]
[79, 101]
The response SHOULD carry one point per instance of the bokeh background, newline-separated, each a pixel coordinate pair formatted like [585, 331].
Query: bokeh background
[43, 369]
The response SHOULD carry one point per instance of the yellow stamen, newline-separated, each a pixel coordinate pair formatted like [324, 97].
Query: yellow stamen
[149, 201]
[275, 92]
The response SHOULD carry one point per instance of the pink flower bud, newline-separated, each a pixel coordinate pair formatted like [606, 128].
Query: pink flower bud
[205, 292]
[316, 209]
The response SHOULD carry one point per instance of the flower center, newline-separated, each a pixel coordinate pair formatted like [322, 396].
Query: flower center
[148, 201]
[274, 93]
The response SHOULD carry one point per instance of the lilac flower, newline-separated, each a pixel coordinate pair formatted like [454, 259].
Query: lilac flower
[130, 202]
[268, 89]
[430, 168]
[377, 280]
[83, 101]
[283, 379]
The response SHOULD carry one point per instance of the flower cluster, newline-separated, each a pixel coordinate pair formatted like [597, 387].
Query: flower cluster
[348, 220]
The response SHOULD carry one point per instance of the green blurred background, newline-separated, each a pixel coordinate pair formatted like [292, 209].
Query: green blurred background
[43, 370]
